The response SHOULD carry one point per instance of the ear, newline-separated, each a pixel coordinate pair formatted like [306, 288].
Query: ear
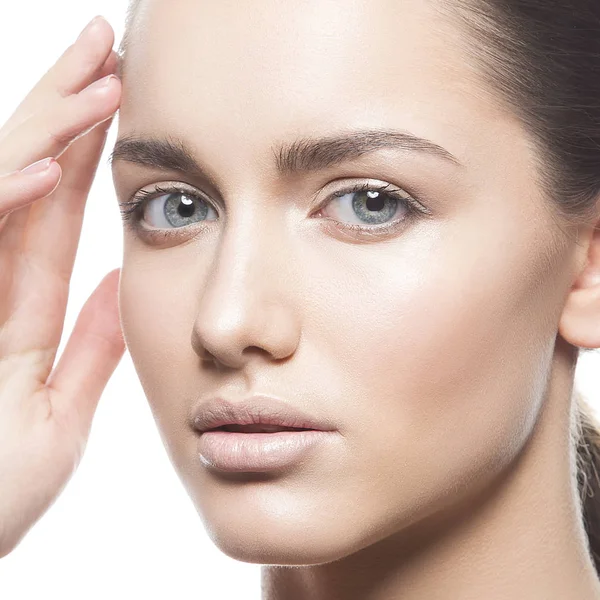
[580, 320]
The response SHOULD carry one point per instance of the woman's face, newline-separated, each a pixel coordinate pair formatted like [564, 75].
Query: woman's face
[427, 346]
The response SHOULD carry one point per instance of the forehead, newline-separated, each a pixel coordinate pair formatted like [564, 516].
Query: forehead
[247, 70]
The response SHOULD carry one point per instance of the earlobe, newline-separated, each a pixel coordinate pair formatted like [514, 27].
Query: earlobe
[580, 320]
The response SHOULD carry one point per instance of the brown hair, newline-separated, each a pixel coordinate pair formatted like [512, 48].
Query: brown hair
[542, 58]
[588, 464]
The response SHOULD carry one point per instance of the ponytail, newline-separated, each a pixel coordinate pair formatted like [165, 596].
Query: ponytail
[588, 469]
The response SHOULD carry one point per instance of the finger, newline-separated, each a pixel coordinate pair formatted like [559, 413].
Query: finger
[48, 247]
[82, 59]
[12, 227]
[54, 225]
[10, 239]
[91, 355]
[109, 66]
[50, 132]
[23, 187]
[17, 192]
[74, 70]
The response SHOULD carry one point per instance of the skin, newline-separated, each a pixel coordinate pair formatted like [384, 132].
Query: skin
[482, 503]
[443, 353]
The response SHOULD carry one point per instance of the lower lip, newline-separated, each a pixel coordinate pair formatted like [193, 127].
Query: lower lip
[243, 452]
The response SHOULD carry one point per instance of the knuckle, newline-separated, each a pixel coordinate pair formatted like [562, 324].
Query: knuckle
[58, 130]
[58, 136]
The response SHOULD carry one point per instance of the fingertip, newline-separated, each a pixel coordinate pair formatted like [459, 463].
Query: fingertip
[44, 171]
[21, 188]
[39, 167]
[110, 65]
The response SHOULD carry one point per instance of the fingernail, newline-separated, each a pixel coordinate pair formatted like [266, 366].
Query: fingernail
[100, 84]
[39, 166]
[89, 26]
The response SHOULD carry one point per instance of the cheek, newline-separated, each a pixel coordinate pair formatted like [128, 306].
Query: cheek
[447, 354]
[157, 327]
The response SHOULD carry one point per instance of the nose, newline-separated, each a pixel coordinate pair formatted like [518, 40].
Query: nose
[247, 301]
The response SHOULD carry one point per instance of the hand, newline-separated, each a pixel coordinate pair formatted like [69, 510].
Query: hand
[45, 415]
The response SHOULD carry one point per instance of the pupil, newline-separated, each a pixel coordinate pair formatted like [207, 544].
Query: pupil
[374, 203]
[186, 207]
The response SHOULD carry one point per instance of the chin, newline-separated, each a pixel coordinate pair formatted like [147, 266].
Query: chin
[289, 546]
[276, 525]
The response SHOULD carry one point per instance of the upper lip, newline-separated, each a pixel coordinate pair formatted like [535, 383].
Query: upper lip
[256, 409]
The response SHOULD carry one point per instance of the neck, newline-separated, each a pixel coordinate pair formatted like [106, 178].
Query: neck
[521, 538]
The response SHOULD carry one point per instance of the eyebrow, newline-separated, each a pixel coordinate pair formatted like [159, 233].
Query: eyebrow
[303, 155]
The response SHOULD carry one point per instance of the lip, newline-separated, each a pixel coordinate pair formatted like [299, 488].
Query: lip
[256, 409]
[258, 452]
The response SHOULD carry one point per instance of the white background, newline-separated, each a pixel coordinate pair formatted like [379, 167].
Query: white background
[124, 527]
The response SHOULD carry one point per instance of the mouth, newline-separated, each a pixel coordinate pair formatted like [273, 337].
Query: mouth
[258, 448]
[256, 428]
[260, 433]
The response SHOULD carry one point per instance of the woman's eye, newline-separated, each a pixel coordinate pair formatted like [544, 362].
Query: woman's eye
[173, 209]
[366, 207]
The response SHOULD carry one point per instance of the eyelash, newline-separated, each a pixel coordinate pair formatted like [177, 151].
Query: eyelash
[132, 210]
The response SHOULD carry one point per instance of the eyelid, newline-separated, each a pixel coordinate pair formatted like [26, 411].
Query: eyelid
[365, 183]
[159, 189]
